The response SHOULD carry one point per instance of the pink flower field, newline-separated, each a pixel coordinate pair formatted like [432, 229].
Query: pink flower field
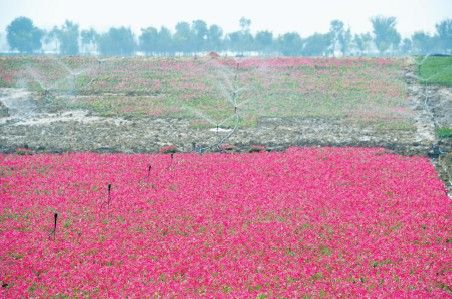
[308, 222]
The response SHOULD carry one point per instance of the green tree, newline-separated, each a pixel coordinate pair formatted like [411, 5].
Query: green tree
[336, 30]
[317, 44]
[183, 38]
[234, 41]
[68, 36]
[444, 30]
[406, 46]
[386, 35]
[117, 41]
[362, 42]
[241, 41]
[423, 43]
[165, 43]
[264, 41]
[344, 40]
[290, 44]
[214, 38]
[200, 32]
[148, 40]
[88, 38]
[52, 37]
[23, 36]
[245, 24]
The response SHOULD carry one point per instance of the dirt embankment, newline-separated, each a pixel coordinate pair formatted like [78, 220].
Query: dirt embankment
[30, 125]
[433, 106]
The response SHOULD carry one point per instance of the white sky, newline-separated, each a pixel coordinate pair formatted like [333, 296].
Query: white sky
[279, 16]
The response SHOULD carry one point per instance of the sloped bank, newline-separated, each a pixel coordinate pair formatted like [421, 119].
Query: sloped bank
[433, 105]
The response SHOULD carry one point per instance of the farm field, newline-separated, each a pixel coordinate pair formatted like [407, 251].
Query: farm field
[307, 222]
[206, 90]
[140, 104]
[435, 70]
[304, 222]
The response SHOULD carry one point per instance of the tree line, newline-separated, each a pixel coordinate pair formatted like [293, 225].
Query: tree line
[199, 37]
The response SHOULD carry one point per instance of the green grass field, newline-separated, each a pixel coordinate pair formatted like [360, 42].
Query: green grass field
[438, 71]
[444, 132]
[435, 70]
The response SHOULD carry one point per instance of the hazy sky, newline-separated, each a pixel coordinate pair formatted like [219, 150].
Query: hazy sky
[279, 16]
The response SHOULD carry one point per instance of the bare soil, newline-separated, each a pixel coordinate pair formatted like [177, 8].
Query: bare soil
[78, 130]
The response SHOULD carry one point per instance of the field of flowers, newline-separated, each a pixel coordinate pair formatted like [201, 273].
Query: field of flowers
[207, 90]
[308, 222]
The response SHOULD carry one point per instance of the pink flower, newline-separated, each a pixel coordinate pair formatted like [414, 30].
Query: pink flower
[333, 222]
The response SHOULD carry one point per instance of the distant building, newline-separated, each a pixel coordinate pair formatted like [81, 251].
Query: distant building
[214, 55]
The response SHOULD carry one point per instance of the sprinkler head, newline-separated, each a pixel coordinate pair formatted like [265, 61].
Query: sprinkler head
[55, 216]
[149, 170]
[53, 232]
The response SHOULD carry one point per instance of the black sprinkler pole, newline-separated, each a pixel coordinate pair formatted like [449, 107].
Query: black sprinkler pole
[109, 193]
[53, 232]
[55, 222]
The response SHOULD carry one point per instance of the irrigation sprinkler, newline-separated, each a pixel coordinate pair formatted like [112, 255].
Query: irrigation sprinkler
[55, 216]
[109, 194]
[171, 161]
[232, 94]
[53, 232]
[149, 171]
